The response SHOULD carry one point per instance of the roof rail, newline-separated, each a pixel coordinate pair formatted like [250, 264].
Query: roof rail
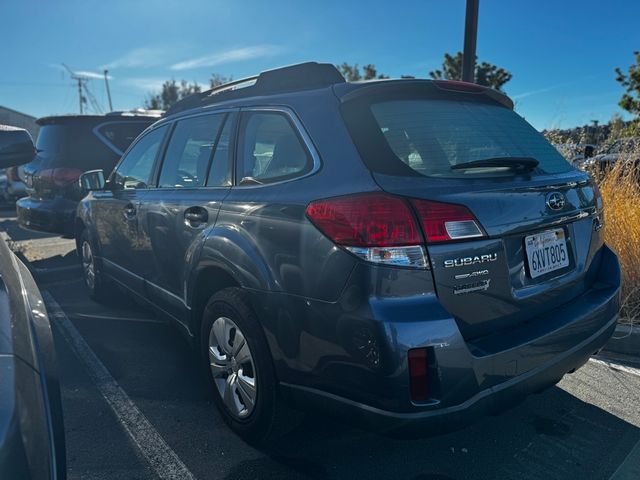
[302, 76]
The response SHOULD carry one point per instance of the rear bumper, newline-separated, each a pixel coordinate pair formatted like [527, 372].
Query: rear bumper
[493, 400]
[54, 215]
[467, 379]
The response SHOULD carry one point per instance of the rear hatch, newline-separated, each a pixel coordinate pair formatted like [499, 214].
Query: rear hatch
[520, 225]
[70, 145]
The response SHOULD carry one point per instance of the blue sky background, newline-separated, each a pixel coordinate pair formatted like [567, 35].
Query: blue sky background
[562, 53]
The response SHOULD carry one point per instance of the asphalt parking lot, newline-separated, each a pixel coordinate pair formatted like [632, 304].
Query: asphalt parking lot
[136, 408]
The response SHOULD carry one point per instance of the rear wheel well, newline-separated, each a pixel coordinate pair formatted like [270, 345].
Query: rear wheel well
[208, 282]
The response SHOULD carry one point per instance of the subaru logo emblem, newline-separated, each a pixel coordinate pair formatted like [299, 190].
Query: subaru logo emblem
[555, 201]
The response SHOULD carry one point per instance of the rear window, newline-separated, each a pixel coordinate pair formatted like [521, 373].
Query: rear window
[86, 144]
[430, 136]
[58, 140]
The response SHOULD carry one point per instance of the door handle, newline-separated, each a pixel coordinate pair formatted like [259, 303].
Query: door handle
[129, 211]
[196, 216]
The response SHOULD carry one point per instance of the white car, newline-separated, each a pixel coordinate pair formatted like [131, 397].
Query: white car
[11, 185]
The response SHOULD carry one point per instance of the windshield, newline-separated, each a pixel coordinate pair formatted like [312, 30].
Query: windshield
[431, 136]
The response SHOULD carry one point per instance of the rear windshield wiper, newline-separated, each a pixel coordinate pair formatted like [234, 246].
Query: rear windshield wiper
[518, 163]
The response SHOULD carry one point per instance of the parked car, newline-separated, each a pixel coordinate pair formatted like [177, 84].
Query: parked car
[13, 188]
[3, 179]
[576, 153]
[68, 146]
[11, 185]
[31, 427]
[627, 148]
[406, 253]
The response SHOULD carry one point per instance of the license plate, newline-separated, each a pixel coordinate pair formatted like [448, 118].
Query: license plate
[546, 252]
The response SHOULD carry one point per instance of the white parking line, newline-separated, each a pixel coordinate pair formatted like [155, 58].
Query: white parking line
[616, 366]
[164, 461]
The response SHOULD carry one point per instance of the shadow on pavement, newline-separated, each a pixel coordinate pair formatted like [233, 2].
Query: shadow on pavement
[9, 225]
[551, 435]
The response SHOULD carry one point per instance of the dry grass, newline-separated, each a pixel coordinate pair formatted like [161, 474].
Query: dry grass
[620, 189]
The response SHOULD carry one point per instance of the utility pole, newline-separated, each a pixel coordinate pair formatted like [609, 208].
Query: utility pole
[106, 82]
[470, 40]
[80, 97]
[81, 83]
[84, 94]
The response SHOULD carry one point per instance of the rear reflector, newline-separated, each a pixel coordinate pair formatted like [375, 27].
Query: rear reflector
[443, 222]
[418, 379]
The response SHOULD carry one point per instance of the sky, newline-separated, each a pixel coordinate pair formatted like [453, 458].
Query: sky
[562, 53]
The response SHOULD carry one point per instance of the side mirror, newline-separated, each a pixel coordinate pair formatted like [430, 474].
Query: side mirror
[92, 180]
[16, 146]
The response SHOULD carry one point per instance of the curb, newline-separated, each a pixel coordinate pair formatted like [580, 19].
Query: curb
[625, 341]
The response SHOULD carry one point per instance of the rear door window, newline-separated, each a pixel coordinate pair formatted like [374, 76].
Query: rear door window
[430, 136]
[270, 149]
[119, 135]
[136, 168]
[187, 158]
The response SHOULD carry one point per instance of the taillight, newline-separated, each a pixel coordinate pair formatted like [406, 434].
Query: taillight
[377, 227]
[443, 222]
[597, 194]
[12, 174]
[61, 177]
[382, 228]
[418, 378]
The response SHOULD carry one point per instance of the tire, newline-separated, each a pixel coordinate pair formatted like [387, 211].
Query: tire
[233, 365]
[97, 285]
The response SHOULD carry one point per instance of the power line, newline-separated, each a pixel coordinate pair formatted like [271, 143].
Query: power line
[85, 96]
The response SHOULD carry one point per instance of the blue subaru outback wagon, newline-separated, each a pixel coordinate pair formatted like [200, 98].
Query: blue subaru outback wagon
[408, 253]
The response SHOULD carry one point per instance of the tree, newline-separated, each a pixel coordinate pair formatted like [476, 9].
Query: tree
[486, 73]
[171, 92]
[617, 128]
[216, 80]
[630, 100]
[351, 73]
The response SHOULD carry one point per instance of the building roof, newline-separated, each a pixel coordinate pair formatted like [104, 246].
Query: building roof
[2, 107]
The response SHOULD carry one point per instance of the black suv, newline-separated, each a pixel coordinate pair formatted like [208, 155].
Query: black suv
[403, 252]
[67, 146]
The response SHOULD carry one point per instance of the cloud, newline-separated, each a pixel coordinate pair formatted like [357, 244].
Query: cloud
[553, 87]
[520, 96]
[82, 73]
[88, 74]
[234, 55]
[139, 57]
[145, 84]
